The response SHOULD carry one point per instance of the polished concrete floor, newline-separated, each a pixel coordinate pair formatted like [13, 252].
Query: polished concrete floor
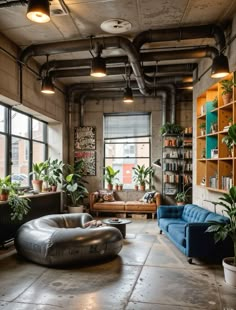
[149, 274]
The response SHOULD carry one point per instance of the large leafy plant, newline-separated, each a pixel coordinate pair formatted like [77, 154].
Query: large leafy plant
[142, 174]
[110, 174]
[227, 86]
[222, 230]
[19, 206]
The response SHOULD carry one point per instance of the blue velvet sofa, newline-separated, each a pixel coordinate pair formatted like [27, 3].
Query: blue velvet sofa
[186, 227]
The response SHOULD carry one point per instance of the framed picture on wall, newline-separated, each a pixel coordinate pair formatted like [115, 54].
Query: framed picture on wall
[85, 138]
[89, 158]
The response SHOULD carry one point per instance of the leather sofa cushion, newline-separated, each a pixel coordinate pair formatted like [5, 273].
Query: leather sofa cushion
[194, 214]
[166, 222]
[140, 206]
[177, 231]
[115, 205]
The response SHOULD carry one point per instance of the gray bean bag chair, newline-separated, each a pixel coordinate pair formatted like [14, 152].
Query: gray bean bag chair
[61, 239]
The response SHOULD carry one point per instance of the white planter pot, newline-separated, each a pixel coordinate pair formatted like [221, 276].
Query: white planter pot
[229, 271]
[78, 209]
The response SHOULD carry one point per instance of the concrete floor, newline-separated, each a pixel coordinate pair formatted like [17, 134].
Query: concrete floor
[149, 274]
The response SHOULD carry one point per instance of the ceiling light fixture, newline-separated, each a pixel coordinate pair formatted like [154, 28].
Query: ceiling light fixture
[98, 65]
[47, 84]
[128, 93]
[38, 11]
[220, 67]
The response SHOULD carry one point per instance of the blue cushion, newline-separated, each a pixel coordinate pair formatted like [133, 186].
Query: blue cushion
[165, 222]
[170, 211]
[217, 218]
[194, 214]
[177, 231]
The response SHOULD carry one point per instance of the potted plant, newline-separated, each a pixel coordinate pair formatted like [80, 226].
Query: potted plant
[229, 143]
[227, 90]
[19, 206]
[38, 172]
[215, 102]
[202, 127]
[120, 187]
[110, 176]
[169, 128]
[142, 175]
[230, 121]
[74, 186]
[5, 187]
[182, 197]
[222, 230]
[54, 173]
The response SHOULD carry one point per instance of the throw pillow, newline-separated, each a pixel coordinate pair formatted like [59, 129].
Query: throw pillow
[148, 197]
[106, 196]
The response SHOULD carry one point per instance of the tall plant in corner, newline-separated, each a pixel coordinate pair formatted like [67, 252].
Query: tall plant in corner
[225, 229]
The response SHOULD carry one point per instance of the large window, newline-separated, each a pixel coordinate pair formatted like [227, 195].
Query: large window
[127, 144]
[23, 141]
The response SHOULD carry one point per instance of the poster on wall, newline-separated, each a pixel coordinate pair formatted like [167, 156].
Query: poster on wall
[89, 158]
[85, 138]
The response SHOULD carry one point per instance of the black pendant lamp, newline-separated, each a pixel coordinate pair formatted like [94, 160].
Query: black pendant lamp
[220, 67]
[98, 67]
[47, 84]
[128, 93]
[38, 11]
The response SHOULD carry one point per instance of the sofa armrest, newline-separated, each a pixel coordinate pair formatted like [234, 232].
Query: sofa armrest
[169, 211]
[93, 196]
[157, 197]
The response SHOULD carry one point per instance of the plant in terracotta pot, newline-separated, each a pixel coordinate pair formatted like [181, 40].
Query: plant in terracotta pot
[142, 175]
[110, 176]
[230, 121]
[54, 173]
[222, 230]
[39, 171]
[182, 197]
[5, 188]
[227, 90]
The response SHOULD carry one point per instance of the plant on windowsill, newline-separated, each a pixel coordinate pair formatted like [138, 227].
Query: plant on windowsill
[110, 176]
[54, 173]
[5, 188]
[222, 230]
[142, 176]
[39, 171]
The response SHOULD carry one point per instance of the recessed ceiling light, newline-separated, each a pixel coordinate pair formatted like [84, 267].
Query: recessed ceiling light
[116, 25]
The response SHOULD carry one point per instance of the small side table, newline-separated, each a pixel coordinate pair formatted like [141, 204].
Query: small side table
[119, 224]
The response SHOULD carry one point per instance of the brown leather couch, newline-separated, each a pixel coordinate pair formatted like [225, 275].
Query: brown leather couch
[125, 207]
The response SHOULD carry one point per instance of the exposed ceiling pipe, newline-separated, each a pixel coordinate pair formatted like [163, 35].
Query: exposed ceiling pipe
[108, 94]
[184, 68]
[183, 33]
[191, 53]
[85, 45]
[13, 3]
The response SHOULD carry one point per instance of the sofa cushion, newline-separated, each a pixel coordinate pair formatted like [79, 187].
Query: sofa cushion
[166, 222]
[140, 206]
[217, 218]
[148, 197]
[194, 214]
[105, 195]
[170, 211]
[177, 231]
[115, 205]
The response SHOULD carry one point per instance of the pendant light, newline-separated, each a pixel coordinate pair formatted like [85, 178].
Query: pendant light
[38, 11]
[47, 84]
[128, 94]
[98, 65]
[220, 67]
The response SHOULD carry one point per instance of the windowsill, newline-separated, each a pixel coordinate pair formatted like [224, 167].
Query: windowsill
[29, 195]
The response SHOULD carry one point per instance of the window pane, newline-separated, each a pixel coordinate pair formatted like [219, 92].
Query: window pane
[38, 152]
[2, 118]
[20, 160]
[20, 124]
[2, 156]
[38, 130]
[127, 150]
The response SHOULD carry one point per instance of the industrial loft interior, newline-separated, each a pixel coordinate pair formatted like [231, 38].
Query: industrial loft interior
[117, 154]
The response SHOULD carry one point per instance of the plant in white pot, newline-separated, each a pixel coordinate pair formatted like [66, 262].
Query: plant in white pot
[74, 188]
[222, 230]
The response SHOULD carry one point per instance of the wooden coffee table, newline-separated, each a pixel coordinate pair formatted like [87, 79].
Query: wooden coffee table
[118, 223]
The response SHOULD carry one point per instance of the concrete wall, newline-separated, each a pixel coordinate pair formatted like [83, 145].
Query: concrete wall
[49, 108]
[200, 194]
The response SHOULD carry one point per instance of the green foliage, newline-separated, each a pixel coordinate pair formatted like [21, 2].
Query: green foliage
[215, 102]
[110, 174]
[232, 132]
[39, 170]
[228, 141]
[5, 185]
[142, 175]
[169, 128]
[223, 230]
[183, 196]
[74, 184]
[54, 171]
[227, 86]
[202, 125]
[19, 207]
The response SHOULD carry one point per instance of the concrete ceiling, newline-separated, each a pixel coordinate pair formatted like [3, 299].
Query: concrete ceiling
[81, 19]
